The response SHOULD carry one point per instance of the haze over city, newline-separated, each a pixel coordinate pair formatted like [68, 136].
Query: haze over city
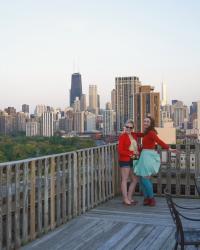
[43, 42]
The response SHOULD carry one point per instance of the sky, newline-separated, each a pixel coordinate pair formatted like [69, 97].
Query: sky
[42, 42]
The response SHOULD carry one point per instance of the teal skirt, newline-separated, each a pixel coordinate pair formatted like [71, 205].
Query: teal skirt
[148, 164]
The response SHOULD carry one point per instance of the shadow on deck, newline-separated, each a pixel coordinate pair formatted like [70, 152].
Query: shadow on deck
[113, 225]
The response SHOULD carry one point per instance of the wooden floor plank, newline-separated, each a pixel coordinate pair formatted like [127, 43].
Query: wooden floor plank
[113, 241]
[114, 226]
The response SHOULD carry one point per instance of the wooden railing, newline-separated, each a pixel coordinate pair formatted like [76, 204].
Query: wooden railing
[39, 194]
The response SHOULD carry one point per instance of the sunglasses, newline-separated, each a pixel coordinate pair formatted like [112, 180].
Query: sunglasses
[129, 127]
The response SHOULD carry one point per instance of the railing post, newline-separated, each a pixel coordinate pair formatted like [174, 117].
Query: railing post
[88, 181]
[92, 171]
[103, 171]
[187, 169]
[58, 182]
[64, 212]
[99, 177]
[70, 188]
[197, 162]
[178, 174]
[8, 207]
[83, 168]
[32, 202]
[52, 193]
[39, 197]
[1, 207]
[17, 206]
[46, 195]
[25, 204]
[75, 185]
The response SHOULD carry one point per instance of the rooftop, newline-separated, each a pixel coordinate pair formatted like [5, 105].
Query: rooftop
[113, 225]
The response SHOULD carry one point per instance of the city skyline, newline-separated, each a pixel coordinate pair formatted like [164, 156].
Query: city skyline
[43, 43]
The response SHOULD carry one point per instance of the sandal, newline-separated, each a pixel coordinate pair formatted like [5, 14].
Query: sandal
[134, 202]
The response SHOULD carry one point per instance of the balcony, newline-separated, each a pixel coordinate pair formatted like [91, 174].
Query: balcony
[73, 198]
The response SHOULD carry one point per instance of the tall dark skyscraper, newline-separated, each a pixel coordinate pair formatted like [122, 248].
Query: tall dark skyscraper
[76, 87]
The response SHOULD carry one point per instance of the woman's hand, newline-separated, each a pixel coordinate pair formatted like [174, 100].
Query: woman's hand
[174, 151]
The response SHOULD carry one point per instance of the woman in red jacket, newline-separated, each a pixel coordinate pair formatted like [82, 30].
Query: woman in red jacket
[128, 149]
[149, 162]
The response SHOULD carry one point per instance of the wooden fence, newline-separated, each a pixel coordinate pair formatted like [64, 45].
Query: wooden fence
[39, 194]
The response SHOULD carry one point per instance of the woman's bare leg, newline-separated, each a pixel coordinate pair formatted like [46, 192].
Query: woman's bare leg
[124, 178]
[134, 181]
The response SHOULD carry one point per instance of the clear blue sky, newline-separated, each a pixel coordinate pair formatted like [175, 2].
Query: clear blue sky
[41, 40]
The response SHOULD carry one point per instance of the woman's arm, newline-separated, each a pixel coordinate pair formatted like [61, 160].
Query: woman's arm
[159, 141]
[121, 149]
[139, 134]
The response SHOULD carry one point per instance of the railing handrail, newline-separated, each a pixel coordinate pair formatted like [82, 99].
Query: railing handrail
[2, 164]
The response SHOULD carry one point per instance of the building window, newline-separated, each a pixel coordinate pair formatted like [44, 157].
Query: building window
[163, 188]
[192, 190]
[182, 189]
[173, 188]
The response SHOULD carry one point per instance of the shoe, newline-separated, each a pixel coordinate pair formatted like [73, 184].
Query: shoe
[152, 202]
[127, 204]
[146, 202]
[134, 202]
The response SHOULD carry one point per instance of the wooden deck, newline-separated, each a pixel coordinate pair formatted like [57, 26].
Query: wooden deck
[113, 225]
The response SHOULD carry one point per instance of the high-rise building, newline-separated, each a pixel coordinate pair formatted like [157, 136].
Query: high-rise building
[25, 108]
[147, 102]
[125, 87]
[10, 111]
[164, 94]
[98, 103]
[76, 88]
[93, 102]
[32, 128]
[193, 111]
[21, 120]
[79, 122]
[165, 115]
[90, 121]
[7, 124]
[108, 122]
[198, 119]
[77, 105]
[39, 110]
[113, 99]
[66, 124]
[108, 106]
[180, 114]
[47, 128]
[83, 102]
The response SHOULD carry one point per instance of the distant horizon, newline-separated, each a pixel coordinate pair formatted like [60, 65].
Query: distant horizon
[43, 43]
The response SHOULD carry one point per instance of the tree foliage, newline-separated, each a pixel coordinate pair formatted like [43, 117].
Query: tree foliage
[22, 147]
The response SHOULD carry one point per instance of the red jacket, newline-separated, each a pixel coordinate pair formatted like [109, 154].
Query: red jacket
[124, 144]
[151, 139]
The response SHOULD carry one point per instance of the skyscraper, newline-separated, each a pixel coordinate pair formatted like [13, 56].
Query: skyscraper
[79, 122]
[164, 94]
[113, 99]
[83, 102]
[147, 102]
[180, 114]
[125, 87]
[93, 100]
[25, 108]
[108, 122]
[76, 88]
[198, 119]
[47, 124]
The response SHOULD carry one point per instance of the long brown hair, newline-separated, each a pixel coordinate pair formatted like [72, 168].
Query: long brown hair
[151, 127]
